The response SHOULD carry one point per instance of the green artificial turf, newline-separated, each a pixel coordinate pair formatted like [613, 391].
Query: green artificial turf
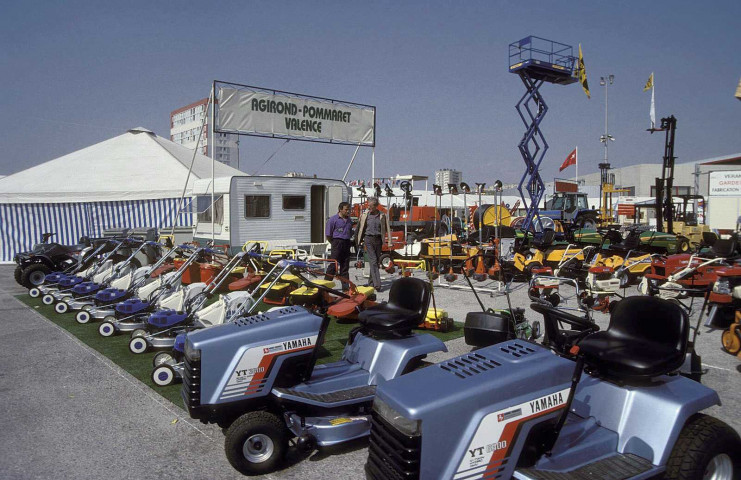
[116, 348]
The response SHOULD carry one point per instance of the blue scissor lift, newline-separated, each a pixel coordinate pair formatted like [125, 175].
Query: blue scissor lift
[537, 61]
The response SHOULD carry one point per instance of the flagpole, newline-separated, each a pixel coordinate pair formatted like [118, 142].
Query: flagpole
[577, 168]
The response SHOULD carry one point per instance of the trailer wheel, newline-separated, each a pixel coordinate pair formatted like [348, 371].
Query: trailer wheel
[731, 341]
[83, 317]
[18, 274]
[256, 443]
[706, 449]
[34, 275]
[163, 376]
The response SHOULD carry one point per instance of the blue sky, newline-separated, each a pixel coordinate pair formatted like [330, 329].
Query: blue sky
[76, 73]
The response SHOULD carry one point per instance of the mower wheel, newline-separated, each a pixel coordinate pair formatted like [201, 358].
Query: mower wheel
[34, 275]
[626, 279]
[256, 443]
[161, 358]
[87, 308]
[731, 341]
[139, 332]
[83, 317]
[47, 299]
[683, 245]
[61, 307]
[706, 448]
[106, 329]
[18, 274]
[34, 292]
[163, 376]
[443, 325]
[138, 345]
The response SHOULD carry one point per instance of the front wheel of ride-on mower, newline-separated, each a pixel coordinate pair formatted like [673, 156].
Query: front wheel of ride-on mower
[706, 449]
[256, 443]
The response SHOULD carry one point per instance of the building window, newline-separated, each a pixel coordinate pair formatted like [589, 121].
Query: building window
[203, 206]
[294, 202]
[256, 206]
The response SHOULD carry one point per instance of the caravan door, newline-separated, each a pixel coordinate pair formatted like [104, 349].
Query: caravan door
[318, 209]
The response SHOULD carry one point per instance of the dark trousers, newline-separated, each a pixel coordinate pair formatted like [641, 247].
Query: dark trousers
[373, 244]
[341, 253]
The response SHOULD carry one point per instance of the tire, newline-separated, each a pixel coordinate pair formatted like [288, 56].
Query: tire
[87, 308]
[256, 443]
[705, 446]
[61, 307]
[34, 292]
[34, 275]
[106, 329]
[384, 261]
[731, 341]
[138, 345]
[587, 221]
[161, 358]
[139, 332]
[83, 317]
[683, 245]
[47, 299]
[163, 376]
[18, 274]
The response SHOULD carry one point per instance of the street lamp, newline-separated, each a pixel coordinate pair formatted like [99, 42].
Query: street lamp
[606, 138]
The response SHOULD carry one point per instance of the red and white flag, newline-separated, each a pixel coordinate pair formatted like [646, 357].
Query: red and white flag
[570, 160]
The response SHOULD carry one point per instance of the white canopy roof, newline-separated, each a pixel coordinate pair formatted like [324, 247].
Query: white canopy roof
[134, 166]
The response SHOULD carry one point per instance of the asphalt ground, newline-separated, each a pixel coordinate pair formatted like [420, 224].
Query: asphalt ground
[71, 413]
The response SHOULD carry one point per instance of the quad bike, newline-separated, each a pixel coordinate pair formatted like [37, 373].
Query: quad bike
[87, 262]
[523, 412]
[258, 379]
[46, 257]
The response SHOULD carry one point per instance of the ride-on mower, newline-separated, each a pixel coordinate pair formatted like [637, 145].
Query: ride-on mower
[610, 408]
[257, 377]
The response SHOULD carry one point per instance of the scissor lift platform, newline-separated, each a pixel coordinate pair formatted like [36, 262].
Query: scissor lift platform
[543, 59]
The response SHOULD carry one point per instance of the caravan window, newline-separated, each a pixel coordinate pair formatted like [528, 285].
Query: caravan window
[294, 202]
[203, 209]
[256, 206]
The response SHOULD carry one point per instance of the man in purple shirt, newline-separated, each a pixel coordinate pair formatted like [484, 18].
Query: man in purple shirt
[339, 232]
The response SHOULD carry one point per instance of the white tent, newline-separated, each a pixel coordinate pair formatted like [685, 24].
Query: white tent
[133, 180]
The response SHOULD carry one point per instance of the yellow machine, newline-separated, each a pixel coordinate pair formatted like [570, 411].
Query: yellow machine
[437, 319]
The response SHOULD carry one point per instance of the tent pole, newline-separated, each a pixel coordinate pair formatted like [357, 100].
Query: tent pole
[211, 141]
[351, 162]
[190, 170]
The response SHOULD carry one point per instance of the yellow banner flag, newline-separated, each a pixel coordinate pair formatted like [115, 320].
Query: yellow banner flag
[649, 83]
[583, 74]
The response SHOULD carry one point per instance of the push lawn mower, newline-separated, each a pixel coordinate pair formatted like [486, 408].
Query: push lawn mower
[594, 412]
[257, 377]
[131, 314]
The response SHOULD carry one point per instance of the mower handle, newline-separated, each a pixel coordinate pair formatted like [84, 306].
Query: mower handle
[568, 318]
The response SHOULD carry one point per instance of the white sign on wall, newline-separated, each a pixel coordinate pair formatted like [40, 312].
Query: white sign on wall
[251, 111]
[725, 184]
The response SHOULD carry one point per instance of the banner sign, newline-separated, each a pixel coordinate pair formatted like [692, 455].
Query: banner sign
[253, 111]
[626, 209]
[725, 184]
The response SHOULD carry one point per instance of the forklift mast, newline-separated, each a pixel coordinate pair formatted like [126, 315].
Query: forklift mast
[665, 184]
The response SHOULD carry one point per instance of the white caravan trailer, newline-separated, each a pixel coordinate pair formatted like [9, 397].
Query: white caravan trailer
[290, 211]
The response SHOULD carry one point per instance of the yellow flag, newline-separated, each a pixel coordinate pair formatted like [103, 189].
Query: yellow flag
[583, 74]
[649, 83]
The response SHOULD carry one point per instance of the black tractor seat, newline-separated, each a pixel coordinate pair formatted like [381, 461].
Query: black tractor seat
[724, 248]
[409, 299]
[647, 337]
